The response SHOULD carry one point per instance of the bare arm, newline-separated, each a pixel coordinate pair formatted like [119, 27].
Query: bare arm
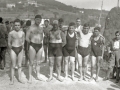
[28, 35]
[103, 45]
[23, 39]
[63, 36]
[9, 40]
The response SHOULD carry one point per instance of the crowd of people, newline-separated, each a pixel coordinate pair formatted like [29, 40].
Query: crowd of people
[62, 48]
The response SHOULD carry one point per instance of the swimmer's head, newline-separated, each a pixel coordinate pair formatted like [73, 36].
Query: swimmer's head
[46, 22]
[78, 21]
[38, 19]
[71, 27]
[86, 28]
[96, 31]
[60, 21]
[28, 23]
[117, 35]
[17, 24]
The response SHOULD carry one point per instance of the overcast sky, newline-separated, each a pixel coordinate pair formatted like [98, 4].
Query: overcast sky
[91, 4]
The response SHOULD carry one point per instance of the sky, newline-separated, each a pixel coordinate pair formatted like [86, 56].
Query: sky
[91, 4]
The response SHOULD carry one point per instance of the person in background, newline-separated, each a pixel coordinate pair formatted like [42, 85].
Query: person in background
[46, 29]
[3, 43]
[114, 47]
[26, 44]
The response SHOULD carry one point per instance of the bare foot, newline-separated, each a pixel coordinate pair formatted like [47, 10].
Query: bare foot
[80, 79]
[50, 79]
[11, 83]
[85, 79]
[91, 79]
[30, 81]
[66, 78]
[96, 79]
[40, 79]
[21, 81]
[61, 80]
[73, 78]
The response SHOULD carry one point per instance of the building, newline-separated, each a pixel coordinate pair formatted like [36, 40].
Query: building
[10, 5]
[32, 2]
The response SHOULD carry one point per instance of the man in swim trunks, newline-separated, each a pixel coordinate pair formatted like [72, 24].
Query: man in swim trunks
[56, 42]
[69, 49]
[97, 51]
[26, 46]
[34, 37]
[114, 47]
[46, 30]
[16, 45]
[83, 49]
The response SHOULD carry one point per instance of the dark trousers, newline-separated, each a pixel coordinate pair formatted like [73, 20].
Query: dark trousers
[2, 56]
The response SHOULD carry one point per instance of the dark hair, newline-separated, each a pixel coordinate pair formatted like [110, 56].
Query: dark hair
[38, 16]
[60, 20]
[117, 32]
[72, 24]
[28, 23]
[78, 19]
[97, 28]
[86, 25]
[7, 22]
[1, 19]
[17, 20]
[46, 21]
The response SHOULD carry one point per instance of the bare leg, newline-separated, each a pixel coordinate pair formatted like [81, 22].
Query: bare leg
[46, 54]
[98, 66]
[32, 54]
[13, 64]
[39, 57]
[58, 62]
[80, 66]
[93, 62]
[72, 61]
[51, 64]
[76, 60]
[66, 67]
[84, 63]
[20, 57]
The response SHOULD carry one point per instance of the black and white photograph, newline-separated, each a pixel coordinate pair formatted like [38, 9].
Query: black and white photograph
[59, 44]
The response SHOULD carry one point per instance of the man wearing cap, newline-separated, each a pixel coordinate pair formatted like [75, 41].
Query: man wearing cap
[34, 37]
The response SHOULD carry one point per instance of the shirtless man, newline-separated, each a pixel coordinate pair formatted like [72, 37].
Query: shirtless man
[16, 45]
[83, 50]
[46, 30]
[34, 37]
[97, 51]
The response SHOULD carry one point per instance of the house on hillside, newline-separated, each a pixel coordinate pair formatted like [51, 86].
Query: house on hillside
[10, 5]
[32, 2]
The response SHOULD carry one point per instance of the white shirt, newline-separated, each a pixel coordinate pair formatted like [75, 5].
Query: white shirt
[79, 28]
[84, 39]
[116, 45]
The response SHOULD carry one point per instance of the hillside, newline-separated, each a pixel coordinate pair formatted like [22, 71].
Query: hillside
[52, 9]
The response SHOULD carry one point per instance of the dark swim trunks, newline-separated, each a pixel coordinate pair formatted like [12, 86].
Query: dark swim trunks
[69, 49]
[55, 49]
[37, 47]
[84, 51]
[17, 50]
[96, 49]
